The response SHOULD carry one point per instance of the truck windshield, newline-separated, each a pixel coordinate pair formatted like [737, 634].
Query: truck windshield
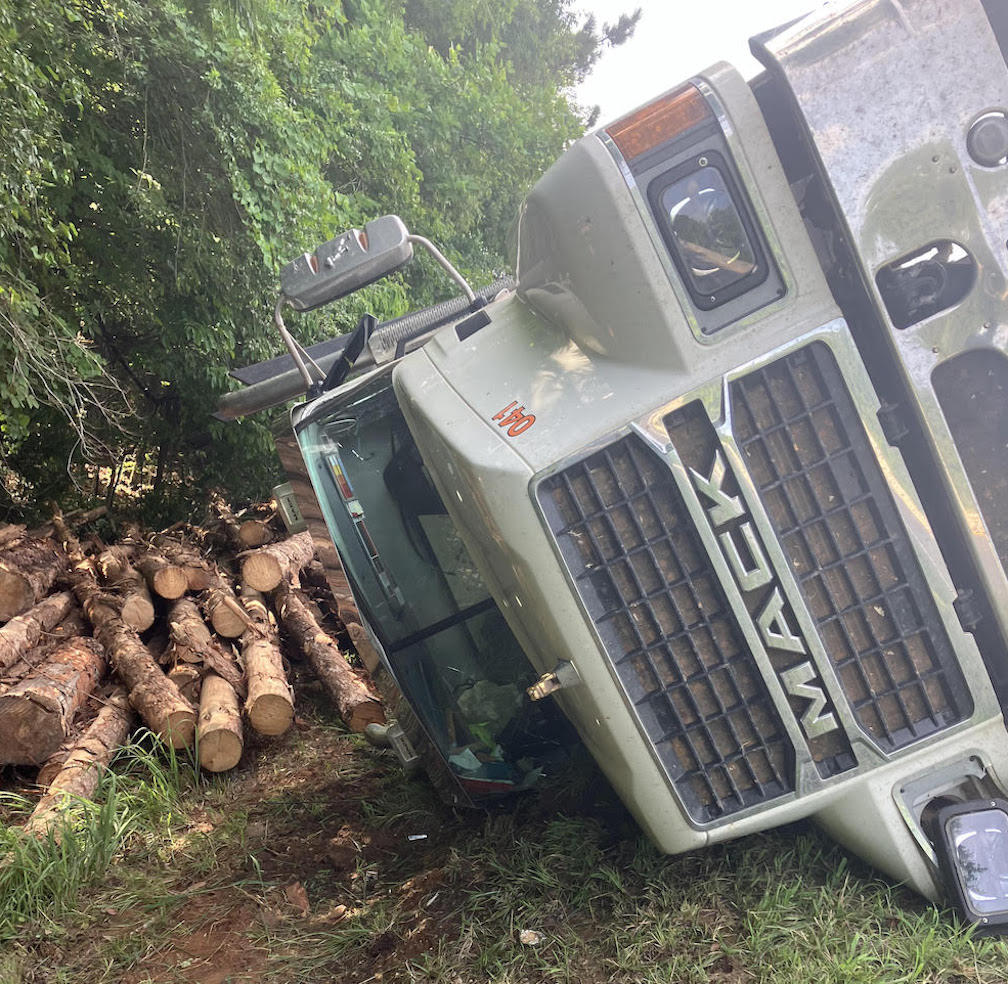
[450, 648]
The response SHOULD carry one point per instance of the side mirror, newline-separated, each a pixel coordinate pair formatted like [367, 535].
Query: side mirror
[352, 260]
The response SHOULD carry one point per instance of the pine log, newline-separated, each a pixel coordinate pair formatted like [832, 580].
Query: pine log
[254, 533]
[23, 632]
[113, 561]
[52, 765]
[187, 678]
[36, 713]
[355, 701]
[9, 533]
[269, 704]
[164, 579]
[219, 736]
[265, 568]
[167, 713]
[191, 642]
[79, 517]
[118, 573]
[28, 570]
[219, 602]
[240, 536]
[226, 615]
[329, 573]
[85, 764]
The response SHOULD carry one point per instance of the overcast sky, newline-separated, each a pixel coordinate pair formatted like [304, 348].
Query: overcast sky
[674, 40]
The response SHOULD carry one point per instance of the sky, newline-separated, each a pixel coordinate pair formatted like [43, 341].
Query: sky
[674, 40]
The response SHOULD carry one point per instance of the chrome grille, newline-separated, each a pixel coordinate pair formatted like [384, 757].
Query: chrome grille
[649, 587]
[834, 514]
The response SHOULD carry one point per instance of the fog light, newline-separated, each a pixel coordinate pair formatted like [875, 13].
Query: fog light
[972, 844]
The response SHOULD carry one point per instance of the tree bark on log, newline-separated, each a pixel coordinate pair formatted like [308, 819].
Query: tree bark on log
[164, 579]
[37, 712]
[23, 632]
[118, 573]
[355, 701]
[9, 533]
[28, 570]
[265, 568]
[85, 764]
[193, 643]
[330, 574]
[166, 712]
[219, 737]
[269, 704]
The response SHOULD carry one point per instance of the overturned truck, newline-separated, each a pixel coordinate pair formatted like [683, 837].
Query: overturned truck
[720, 481]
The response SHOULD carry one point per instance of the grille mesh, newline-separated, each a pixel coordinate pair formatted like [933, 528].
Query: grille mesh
[648, 585]
[834, 514]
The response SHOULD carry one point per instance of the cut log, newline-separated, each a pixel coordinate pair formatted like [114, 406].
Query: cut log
[79, 517]
[355, 701]
[25, 631]
[163, 578]
[240, 535]
[269, 704]
[254, 533]
[226, 615]
[191, 642]
[28, 569]
[166, 712]
[52, 765]
[219, 603]
[9, 533]
[137, 609]
[329, 573]
[265, 568]
[220, 740]
[187, 678]
[84, 765]
[113, 561]
[36, 714]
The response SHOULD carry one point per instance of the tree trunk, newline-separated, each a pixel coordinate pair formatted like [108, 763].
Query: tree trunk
[164, 579]
[265, 568]
[193, 643]
[36, 713]
[27, 572]
[220, 741]
[356, 703]
[24, 631]
[86, 762]
[269, 704]
[167, 713]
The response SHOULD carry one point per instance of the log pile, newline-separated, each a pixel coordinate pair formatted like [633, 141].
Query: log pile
[179, 632]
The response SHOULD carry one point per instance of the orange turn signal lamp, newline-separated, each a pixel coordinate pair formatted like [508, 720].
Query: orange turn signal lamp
[658, 121]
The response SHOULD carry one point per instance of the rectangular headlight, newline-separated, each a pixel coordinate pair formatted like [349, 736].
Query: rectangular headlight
[972, 844]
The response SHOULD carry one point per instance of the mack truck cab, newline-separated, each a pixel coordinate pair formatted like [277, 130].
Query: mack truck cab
[719, 482]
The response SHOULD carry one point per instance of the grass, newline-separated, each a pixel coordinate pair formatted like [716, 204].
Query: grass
[170, 877]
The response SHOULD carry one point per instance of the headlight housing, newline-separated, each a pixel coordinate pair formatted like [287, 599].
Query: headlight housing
[971, 840]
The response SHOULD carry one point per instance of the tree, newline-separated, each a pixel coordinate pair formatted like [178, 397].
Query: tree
[164, 161]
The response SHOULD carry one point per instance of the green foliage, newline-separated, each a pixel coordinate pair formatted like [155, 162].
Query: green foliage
[163, 161]
[42, 877]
